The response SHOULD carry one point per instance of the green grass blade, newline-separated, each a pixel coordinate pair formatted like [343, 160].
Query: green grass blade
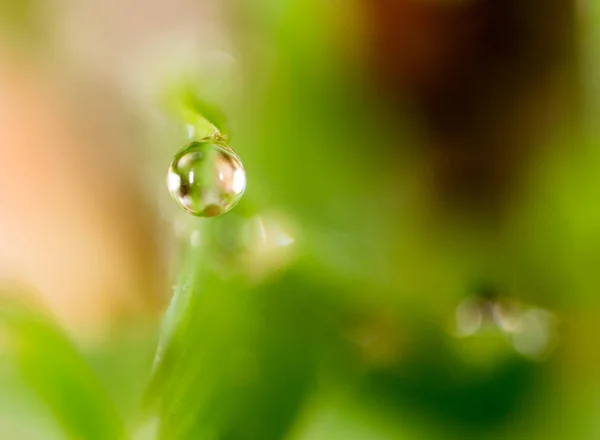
[57, 373]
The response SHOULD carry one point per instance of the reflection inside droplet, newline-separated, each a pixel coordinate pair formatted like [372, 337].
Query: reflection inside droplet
[206, 178]
[239, 180]
[173, 181]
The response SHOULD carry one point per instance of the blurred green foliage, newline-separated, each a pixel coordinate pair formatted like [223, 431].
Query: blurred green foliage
[54, 369]
[345, 332]
[22, 21]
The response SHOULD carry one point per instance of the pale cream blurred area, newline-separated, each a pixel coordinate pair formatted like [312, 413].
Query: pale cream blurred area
[73, 227]
[80, 184]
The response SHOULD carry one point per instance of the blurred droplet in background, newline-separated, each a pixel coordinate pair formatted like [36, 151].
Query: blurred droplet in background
[532, 331]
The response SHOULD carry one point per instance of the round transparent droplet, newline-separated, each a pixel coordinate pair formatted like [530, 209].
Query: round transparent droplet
[206, 178]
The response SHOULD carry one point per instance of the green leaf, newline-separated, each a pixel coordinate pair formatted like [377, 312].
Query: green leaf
[238, 359]
[56, 372]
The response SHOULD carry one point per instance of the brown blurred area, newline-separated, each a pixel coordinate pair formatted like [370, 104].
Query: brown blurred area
[486, 76]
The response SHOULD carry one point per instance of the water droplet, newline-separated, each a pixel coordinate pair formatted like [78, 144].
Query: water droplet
[469, 317]
[537, 335]
[532, 331]
[206, 178]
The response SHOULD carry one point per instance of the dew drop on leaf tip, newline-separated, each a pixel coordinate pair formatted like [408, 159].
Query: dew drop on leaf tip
[206, 178]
